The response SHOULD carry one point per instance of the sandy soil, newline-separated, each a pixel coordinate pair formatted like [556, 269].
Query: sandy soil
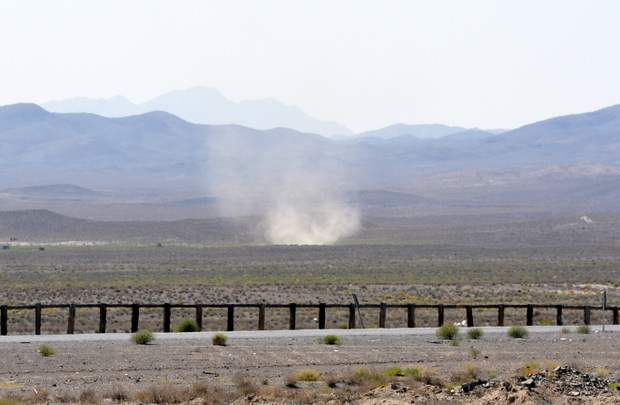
[108, 366]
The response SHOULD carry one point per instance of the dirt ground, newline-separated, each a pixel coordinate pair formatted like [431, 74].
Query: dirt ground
[103, 369]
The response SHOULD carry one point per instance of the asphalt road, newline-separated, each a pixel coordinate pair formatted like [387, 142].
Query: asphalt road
[99, 337]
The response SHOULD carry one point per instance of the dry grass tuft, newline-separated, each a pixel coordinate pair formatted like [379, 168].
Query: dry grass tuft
[469, 372]
[245, 385]
[164, 394]
[219, 339]
[118, 395]
[89, 396]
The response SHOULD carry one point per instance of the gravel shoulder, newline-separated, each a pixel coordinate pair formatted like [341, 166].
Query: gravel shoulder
[108, 362]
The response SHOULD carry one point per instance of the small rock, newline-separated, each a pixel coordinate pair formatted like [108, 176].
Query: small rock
[530, 383]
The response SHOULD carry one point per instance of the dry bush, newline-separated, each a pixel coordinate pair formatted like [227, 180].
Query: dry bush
[367, 379]
[37, 395]
[331, 380]
[65, 397]
[550, 366]
[219, 339]
[425, 376]
[46, 350]
[11, 400]
[291, 380]
[245, 385]
[309, 375]
[142, 337]
[531, 367]
[165, 394]
[118, 395]
[577, 366]
[469, 372]
[89, 396]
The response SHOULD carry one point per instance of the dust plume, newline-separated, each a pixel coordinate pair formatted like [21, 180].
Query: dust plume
[287, 179]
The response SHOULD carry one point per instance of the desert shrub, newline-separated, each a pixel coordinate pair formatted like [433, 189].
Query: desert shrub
[469, 372]
[118, 395]
[614, 385]
[166, 394]
[565, 330]
[518, 332]
[447, 331]
[583, 329]
[331, 380]
[219, 339]
[11, 401]
[427, 377]
[394, 371]
[309, 375]
[576, 365]
[413, 371]
[187, 325]
[368, 378]
[331, 340]
[550, 365]
[142, 337]
[475, 333]
[46, 350]
[245, 385]
[601, 371]
[89, 396]
[65, 397]
[531, 367]
[474, 352]
[291, 380]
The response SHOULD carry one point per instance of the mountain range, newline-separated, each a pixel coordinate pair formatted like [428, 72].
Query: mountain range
[158, 159]
[203, 105]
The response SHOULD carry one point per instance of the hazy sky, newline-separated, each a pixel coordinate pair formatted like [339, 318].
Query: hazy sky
[365, 64]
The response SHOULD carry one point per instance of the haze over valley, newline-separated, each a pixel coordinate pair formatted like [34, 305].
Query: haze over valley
[307, 188]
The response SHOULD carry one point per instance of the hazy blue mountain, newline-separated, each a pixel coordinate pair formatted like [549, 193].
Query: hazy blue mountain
[470, 134]
[114, 107]
[158, 153]
[61, 191]
[422, 131]
[203, 105]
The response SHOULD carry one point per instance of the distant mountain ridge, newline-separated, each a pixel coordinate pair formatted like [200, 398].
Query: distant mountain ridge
[202, 105]
[160, 157]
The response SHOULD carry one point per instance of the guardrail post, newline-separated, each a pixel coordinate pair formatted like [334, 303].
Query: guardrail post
[167, 317]
[103, 309]
[500, 315]
[351, 316]
[439, 314]
[382, 314]
[199, 316]
[529, 315]
[37, 318]
[615, 321]
[470, 316]
[558, 316]
[411, 315]
[4, 320]
[292, 318]
[71, 320]
[231, 318]
[135, 317]
[261, 317]
[586, 315]
[321, 315]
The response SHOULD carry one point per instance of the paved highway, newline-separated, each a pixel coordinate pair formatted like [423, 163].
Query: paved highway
[283, 334]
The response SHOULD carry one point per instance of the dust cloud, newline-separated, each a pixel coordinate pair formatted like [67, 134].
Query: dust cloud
[290, 184]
